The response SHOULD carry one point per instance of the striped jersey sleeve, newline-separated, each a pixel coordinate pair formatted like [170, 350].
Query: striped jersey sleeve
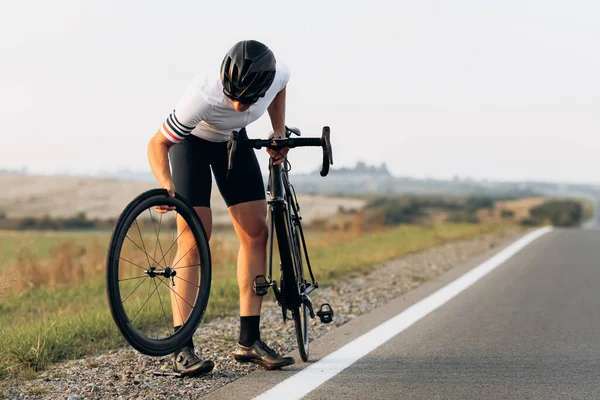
[174, 130]
[191, 108]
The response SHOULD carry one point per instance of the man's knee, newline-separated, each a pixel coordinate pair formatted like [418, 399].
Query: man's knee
[256, 236]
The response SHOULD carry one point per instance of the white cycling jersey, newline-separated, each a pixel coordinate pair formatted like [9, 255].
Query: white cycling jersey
[204, 110]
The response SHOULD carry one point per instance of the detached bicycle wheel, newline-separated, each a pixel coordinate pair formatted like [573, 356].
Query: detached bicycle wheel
[158, 273]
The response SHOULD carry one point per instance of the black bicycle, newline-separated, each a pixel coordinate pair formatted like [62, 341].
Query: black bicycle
[158, 271]
[292, 292]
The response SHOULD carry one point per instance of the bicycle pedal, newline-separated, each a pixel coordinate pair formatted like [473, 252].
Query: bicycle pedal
[325, 315]
[261, 285]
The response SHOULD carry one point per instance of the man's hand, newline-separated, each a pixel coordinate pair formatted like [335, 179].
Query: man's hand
[168, 185]
[278, 155]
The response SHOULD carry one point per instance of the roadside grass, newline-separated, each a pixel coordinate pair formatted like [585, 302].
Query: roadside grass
[51, 321]
[362, 254]
[41, 244]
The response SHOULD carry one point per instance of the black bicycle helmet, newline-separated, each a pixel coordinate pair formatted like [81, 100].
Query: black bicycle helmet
[247, 71]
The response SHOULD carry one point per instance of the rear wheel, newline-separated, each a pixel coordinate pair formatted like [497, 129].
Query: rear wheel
[151, 282]
[301, 314]
[293, 283]
[301, 322]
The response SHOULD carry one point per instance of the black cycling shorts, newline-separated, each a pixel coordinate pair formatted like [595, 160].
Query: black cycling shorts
[191, 162]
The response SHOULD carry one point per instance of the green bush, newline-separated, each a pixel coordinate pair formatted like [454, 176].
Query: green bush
[528, 222]
[398, 210]
[507, 214]
[462, 217]
[436, 202]
[475, 203]
[78, 221]
[412, 209]
[559, 212]
[403, 214]
[28, 223]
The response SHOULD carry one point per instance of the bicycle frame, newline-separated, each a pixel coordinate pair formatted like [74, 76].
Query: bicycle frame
[296, 218]
[283, 199]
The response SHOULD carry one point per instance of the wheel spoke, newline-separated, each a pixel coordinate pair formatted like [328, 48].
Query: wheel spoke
[149, 288]
[157, 245]
[146, 302]
[177, 294]
[136, 288]
[177, 302]
[183, 256]
[188, 266]
[173, 240]
[176, 240]
[185, 280]
[161, 306]
[121, 258]
[135, 277]
[147, 255]
[143, 245]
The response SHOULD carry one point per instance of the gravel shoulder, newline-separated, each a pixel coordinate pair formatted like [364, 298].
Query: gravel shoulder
[126, 374]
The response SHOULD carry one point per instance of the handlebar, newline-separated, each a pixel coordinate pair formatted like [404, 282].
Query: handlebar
[240, 138]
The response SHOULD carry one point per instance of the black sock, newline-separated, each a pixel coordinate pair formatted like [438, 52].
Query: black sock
[190, 343]
[249, 330]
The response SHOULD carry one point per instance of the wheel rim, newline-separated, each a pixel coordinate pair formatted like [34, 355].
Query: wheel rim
[155, 279]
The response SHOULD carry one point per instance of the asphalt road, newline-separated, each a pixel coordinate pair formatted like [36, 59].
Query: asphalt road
[530, 329]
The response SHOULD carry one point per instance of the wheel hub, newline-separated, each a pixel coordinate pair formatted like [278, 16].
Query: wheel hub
[166, 272]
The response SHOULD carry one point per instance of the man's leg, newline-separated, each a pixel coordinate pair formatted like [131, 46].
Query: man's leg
[192, 178]
[187, 254]
[249, 221]
[186, 360]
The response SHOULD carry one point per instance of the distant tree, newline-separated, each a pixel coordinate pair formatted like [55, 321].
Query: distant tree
[475, 203]
[507, 214]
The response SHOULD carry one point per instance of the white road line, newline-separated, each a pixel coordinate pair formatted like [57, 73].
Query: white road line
[302, 383]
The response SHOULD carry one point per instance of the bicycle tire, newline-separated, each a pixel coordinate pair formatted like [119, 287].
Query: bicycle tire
[145, 344]
[290, 286]
[301, 314]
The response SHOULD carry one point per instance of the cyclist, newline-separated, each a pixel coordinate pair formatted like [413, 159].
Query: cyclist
[194, 139]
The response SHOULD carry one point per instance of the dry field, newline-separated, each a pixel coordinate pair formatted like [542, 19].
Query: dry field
[65, 196]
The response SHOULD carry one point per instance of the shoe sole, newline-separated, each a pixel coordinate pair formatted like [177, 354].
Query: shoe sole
[266, 366]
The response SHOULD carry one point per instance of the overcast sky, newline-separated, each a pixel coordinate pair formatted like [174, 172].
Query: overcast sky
[504, 90]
